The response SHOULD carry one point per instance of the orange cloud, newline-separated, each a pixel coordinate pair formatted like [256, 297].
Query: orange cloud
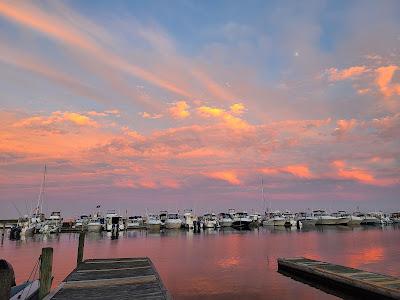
[237, 108]
[300, 170]
[384, 80]
[146, 115]
[224, 116]
[228, 176]
[179, 110]
[338, 75]
[344, 126]
[352, 173]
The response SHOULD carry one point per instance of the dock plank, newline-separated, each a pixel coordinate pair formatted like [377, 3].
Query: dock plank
[122, 278]
[374, 284]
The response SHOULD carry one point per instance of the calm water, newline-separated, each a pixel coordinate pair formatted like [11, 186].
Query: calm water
[225, 263]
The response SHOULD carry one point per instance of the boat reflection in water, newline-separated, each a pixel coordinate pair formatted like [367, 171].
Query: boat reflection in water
[222, 263]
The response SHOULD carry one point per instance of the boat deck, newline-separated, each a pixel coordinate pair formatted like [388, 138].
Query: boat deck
[121, 278]
[354, 280]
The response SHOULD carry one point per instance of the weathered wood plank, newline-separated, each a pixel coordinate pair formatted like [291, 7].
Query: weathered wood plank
[124, 278]
[369, 283]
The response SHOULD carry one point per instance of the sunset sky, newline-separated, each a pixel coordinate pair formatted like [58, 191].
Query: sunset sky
[189, 104]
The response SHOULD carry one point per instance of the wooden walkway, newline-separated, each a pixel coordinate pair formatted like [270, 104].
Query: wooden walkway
[357, 281]
[120, 278]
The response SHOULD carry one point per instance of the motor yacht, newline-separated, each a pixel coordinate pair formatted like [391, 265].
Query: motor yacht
[274, 218]
[135, 222]
[241, 220]
[323, 218]
[343, 218]
[188, 219]
[173, 221]
[225, 220]
[210, 221]
[153, 222]
[306, 219]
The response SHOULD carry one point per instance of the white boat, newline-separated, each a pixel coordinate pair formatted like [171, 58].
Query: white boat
[323, 218]
[255, 219]
[95, 224]
[289, 219]
[163, 217]
[81, 223]
[52, 224]
[241, 220]
[274, 218]
[210, 221]
[28, 290]
[153, 222]
[225, 220]
[188, 219]
[343, 218]
[135, 222]
[306, 219]
[173, 221]
[112, 218]
[370, 219]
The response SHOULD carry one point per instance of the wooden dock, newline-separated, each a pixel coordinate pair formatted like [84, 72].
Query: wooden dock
[117, 278]
[341, 278]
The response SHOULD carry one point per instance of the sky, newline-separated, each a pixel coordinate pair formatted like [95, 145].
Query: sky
[148, 105]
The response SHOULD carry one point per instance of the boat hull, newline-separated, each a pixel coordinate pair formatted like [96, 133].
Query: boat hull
[226, 222]
[153, 226]
[343, 221]
[326, 221]
[354, 221]
[308, 222]
[274, 222]
[239, 224]
[94, 227]
[173, 225]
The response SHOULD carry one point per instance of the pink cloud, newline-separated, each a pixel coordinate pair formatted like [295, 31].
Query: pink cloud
[228, 176]
[338, 75]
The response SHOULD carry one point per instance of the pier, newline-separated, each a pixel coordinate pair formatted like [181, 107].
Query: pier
[331, 277]
[115, 278]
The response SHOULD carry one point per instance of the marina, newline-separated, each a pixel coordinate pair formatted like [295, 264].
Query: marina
[210, 263]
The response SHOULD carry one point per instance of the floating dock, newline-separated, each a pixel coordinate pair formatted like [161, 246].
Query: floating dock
[341, 278]
[119, 278]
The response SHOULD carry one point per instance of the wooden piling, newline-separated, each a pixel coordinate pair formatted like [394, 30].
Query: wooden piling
[3, 232]
[45, 277]
[81, 246]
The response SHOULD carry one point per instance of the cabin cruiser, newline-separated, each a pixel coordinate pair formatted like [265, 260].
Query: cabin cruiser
[52, 224]
[210, 221]
[113, 218]
[153, 222]
[135, 222]
[343, 218]
[274, 218]
[306, 219]
[163, 217]
[395, 217]
[352, 219]
[370, 219]
[81, 223]
[289, 219]
[323, 218]
[188, 219]
[173, 221]
[255, 220]
[225, 220]
[95, 223]
[241, 220]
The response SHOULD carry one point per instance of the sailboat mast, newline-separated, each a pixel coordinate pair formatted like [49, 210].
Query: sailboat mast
[43, 189]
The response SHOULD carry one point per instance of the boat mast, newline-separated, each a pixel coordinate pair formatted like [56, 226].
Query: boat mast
[39, 206]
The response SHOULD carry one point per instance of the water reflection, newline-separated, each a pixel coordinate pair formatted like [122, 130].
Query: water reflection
[224, 263]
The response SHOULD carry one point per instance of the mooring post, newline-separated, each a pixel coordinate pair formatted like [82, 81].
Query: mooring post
[3, 232]
[45, 277]
[81, 245]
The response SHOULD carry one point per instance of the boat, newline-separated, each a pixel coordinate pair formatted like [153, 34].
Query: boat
[255, 220]
[306, 219]
[95, 223]
[395, 217]
[343, 218]
[173, 221]
[29, 290]
[241, 220]
[210, 221]
[53, 224]
[112, 218]
[225, 220]
[153, 222]
[323, 218]
[81, 223]
[274, 218]
[370, 219]
[135, 222]
[289, 219]
[188, 219]
[163, 217]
